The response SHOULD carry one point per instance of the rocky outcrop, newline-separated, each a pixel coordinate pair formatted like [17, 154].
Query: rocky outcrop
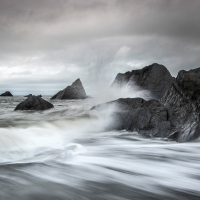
[154, 78]
[176, 115]
[149, 118]
[34, 103]
[75, 91]
[6, 94]
[183, 103]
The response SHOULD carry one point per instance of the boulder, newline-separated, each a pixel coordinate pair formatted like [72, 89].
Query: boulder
[123, 109]
[75, 91]
[155, 78]
[183, 103]
[6, 94]
[149, 118]
[34, 103]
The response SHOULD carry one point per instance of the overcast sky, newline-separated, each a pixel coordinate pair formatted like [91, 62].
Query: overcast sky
[48, 44]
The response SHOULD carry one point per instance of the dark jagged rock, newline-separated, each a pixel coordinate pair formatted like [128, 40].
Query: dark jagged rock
[6, 94]
[30, 95]
[183, 103]
[148, 118]
[176, 115]
[151, 119]
[57, 95]
[154, 78]
[124, 109]
[75, 91]
[34, 103]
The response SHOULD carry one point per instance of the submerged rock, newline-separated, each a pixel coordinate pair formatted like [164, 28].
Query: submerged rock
[154, 78]
[34, 103]
[6, 94]
[75, 91]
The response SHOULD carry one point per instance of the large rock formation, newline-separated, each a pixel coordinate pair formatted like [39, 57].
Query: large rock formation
[183, 103]
[75, 91]
[154, 78]
[34, 103]
[176, 115]
[6, 94]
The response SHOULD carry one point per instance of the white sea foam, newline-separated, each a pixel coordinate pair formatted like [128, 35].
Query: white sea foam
[69, 147]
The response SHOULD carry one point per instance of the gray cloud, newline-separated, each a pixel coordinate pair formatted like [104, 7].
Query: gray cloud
[51, 43]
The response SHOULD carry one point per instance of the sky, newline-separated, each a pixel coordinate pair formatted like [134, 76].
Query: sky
[47, 44]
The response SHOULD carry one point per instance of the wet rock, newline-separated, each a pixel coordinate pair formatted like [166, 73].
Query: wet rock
[176, 115]
[149, 118]
[123, 109]
[183, 103]
[6, 94]
[34, 103]
[154, 78]
[75, 91]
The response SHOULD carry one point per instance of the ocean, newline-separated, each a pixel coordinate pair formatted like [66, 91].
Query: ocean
[67, 153]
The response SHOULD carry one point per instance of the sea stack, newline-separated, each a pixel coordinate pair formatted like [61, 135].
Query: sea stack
[175, 116]
[75, 91]
[6, 94]
[34, 103]
[155, 78]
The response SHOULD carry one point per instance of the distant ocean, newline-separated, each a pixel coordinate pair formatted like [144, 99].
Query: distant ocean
[66, 153]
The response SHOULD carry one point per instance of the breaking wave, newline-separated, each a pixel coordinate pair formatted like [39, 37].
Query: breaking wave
[66, 153]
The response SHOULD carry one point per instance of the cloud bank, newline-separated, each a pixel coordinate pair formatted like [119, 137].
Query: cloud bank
[47, 44]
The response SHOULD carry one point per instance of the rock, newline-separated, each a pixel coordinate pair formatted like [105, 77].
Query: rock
[34, 103]
[6, 94]
[154, 78]
[57, 95]
[123, 110]
[28, 95]
[75, 91]
[176, 115]
[149, 118]
[183, 103]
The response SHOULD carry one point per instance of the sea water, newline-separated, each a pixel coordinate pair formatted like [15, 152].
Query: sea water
[67, 153]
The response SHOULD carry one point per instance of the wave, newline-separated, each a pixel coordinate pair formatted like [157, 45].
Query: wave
[42, 154]
[32, 138]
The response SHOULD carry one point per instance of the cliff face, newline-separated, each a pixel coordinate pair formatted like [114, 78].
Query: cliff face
[75, 91]
[155, 78]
